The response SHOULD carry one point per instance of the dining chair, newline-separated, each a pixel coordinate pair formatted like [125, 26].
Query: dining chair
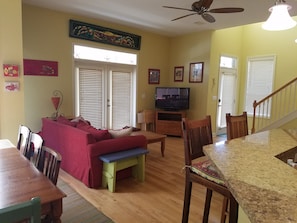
[48, 162]
[35, 144]
[23, 140]
[22, 211]
[237, 125]
[199, 169]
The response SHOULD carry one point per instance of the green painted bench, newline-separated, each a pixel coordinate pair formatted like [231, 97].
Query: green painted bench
[114, 162]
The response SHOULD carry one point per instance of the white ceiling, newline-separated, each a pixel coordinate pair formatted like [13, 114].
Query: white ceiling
[151, 16]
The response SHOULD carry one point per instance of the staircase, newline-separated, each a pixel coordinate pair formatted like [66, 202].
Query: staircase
[276, 109]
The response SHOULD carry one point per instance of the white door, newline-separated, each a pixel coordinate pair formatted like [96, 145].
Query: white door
[121, 98]
[226, 97]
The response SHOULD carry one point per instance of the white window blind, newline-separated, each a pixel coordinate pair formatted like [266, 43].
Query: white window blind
[90, 95]
[121, 99]
[259, 81]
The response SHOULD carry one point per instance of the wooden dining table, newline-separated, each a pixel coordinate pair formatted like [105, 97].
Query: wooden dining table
[20, 181]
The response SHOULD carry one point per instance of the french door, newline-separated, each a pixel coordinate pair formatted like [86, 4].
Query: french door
[105, 95]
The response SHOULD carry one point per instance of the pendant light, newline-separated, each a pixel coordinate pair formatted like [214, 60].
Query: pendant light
[279, 18]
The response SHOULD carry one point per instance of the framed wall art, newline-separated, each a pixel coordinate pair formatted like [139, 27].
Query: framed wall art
[40, 67]
[86, 31]
[196, 72]
[11, 86]
[153, 76]
[178, 74]
[10, 70]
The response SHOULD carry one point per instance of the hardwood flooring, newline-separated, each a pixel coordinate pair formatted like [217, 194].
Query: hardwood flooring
[157, 200]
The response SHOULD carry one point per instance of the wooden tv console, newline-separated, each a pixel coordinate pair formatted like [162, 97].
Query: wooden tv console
[169, 122]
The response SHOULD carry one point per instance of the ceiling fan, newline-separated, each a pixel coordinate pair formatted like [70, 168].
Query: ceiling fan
[202, 8]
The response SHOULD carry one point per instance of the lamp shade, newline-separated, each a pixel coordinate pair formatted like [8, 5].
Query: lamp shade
[56, 102]
[279, 18]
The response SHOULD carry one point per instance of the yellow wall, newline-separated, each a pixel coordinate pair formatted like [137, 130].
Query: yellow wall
[11, 103]
[223, 42]
[250, 41]
[187, 49]
[45, 36]
[258, 42]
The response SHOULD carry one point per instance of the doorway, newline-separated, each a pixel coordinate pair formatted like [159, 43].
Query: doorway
[227, 97]
[105, 87]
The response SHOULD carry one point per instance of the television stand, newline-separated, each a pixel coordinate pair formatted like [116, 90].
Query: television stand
[169, 122]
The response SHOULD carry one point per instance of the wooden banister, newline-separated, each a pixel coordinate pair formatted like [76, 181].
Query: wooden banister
[277, 97]
[274, 93]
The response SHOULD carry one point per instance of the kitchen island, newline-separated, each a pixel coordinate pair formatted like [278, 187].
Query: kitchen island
[264, 186]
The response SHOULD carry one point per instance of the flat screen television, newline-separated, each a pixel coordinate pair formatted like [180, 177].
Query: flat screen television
[172, 98]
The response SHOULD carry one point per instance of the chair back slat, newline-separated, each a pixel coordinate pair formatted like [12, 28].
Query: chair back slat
[196, 133]
[237, 125]
[23, 140]
[35, 144]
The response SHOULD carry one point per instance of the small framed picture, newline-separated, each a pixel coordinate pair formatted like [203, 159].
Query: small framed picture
[196, 72]
[153, 76]
[178, 74]
[11, 86]
[10, 70]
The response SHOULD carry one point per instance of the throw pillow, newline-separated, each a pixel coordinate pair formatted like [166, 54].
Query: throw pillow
[98, 134]
[78, 119]
[120, 132]
[63, 120]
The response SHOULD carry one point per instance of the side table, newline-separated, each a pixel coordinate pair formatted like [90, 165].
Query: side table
[152, 137]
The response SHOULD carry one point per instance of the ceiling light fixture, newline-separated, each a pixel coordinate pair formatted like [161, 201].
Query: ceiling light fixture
[279, 18]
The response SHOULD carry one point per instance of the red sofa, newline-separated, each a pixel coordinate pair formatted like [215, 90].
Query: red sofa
[80, 151]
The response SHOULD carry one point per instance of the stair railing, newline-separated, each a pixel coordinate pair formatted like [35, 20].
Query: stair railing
[275, 106]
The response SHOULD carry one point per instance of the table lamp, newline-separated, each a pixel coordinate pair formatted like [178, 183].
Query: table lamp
[57, 100]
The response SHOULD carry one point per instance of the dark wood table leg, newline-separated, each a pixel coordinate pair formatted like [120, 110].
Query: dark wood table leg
[57, 210]
[163, 146]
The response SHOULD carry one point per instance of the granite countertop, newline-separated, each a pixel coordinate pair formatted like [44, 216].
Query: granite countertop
[264, 186]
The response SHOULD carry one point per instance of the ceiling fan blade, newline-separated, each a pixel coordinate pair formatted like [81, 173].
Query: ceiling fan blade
[209, 18]
[184, 16]
[170, 7]
[226, 10]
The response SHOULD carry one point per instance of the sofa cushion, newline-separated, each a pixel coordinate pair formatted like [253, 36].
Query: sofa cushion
[97, 133]
[63, 120]
[120, 132]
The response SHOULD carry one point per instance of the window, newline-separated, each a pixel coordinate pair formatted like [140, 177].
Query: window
[260, 76]
[95, 54]
[228, 62]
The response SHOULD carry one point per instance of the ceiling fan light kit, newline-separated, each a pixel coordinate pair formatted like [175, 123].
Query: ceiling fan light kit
[279, 18]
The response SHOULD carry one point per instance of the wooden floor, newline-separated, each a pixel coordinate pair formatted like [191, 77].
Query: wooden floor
[159, 198]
